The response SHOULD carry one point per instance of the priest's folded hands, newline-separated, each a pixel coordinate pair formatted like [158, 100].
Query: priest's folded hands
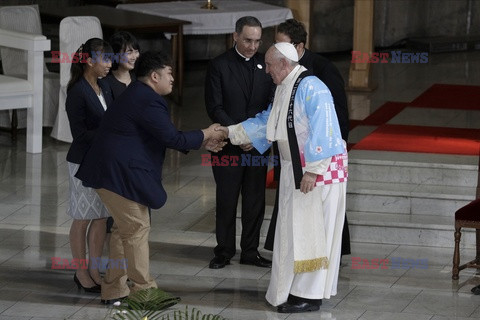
[213, 138]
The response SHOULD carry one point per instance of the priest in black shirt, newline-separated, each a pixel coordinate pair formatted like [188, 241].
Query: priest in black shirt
[237, 88]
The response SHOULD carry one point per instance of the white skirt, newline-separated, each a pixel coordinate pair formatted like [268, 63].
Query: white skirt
[85, 204]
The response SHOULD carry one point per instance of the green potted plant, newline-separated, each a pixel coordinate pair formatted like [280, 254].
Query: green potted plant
[154, 304]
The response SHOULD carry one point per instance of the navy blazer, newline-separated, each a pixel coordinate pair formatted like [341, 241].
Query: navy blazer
[84, 111]
[226, 93]
[128, 151]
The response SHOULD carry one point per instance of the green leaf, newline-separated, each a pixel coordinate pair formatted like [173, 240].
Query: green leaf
[153, 303]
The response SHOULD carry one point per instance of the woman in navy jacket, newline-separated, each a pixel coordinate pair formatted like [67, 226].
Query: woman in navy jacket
[87, 100]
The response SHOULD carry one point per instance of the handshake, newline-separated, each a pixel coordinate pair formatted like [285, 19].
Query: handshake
[214, 136]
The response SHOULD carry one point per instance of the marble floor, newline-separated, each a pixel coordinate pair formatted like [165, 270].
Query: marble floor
[34, 229]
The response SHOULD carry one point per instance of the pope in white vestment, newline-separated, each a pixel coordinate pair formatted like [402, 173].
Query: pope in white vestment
[308, 235]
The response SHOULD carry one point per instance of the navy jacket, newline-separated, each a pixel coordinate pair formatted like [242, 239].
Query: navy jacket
[128, 151]
[84, 112]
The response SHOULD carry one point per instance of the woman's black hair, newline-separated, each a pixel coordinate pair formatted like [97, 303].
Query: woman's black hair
[91, 48]
[120, 41]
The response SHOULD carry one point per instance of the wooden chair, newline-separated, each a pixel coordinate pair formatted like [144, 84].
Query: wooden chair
[466, 217]
[18, 93]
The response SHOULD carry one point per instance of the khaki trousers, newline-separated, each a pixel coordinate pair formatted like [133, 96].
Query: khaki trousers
[128, 242]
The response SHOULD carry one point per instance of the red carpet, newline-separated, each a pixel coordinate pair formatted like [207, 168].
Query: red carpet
[390, 137]
[271, 184]
[383, 114]
[354, 123]
[450, 97]
[407, 138]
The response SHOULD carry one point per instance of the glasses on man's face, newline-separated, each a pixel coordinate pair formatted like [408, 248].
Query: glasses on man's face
[249, 42]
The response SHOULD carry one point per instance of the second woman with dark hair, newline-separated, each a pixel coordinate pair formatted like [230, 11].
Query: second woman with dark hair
[126, 52]
[87, 100]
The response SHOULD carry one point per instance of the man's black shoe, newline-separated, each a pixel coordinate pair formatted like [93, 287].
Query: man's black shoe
[218, 262]
[258, 261]
[112, 301]
[304, 306]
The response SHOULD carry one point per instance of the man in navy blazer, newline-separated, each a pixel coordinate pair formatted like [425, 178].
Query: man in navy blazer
[237, 88]
[124, 165]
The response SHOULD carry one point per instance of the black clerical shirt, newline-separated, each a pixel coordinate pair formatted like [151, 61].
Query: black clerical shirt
[246, 69]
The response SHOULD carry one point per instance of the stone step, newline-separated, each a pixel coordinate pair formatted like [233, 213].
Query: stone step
[409, 198]
[413, 168]
[421, 230]
[392, 228]
[405, 199]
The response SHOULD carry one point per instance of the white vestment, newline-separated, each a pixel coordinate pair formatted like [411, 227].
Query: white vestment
[322, 152]
[327, 199]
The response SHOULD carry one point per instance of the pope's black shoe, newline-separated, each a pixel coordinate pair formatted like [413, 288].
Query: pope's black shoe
[303, 306]
[294, 299]
[258, 261]
[218, 262]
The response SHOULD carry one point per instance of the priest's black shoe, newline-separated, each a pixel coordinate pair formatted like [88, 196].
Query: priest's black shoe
[218, 262]
[289, 307]
[258, 261]
[476, 290]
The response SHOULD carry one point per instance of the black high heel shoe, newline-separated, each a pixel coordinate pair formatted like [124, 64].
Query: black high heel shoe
[95, 289]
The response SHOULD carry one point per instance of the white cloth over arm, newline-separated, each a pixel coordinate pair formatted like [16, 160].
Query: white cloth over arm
[252, 130]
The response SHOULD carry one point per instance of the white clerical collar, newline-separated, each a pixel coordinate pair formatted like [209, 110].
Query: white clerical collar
[291, 76]
[241, 55]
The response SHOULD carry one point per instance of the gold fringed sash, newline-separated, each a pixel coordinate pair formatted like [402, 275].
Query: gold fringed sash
[310, 265]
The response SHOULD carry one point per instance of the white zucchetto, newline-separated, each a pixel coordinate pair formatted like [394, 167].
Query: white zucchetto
[288, 50]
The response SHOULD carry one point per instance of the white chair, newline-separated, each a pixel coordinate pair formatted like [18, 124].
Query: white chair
[16, 93]
[14, 63]
[72, 33]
